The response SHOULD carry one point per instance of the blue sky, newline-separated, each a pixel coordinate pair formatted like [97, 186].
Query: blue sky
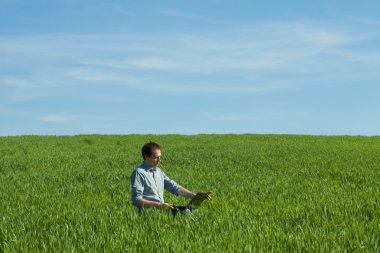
[72, 67]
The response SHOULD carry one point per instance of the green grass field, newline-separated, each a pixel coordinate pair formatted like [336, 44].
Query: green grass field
[278, 193]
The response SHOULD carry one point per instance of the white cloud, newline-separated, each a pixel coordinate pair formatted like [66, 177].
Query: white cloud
[56, 118]
[260, 53]
[234, 117]
[184, 15]
[15, 83]
[366, 21]
[254, 46]
[156, 63]
[91, 75]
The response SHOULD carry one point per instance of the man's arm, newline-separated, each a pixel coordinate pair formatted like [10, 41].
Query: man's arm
[186, 193]
[174, 188]
[145, 203]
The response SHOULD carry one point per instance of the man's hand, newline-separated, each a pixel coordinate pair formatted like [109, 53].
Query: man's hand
[166, 206]
[206, 195]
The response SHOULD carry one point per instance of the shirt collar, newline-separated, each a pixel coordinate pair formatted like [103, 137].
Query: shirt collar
[147, 168]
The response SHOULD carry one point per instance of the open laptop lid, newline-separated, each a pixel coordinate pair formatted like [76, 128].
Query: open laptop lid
[194, 204]
[197, 200]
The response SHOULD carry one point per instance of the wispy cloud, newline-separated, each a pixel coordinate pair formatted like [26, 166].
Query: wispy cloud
[14, 82]
[56, 118]
[366, 20]
[184, 15]
[233, 117]
[252, 52]
[94, 76]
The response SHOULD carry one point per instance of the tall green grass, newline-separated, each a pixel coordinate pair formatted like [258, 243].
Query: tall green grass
[271, 193]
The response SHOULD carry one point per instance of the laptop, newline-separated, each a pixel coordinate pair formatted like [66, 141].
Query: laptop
[193, 205]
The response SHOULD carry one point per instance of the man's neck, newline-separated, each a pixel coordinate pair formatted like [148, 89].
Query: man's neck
[150, 167]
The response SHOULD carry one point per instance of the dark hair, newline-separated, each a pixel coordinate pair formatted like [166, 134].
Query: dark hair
[148, 148]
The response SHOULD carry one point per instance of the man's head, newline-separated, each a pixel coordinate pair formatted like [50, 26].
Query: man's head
[151, 153]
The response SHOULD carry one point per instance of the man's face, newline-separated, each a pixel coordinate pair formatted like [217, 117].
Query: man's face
[154, 159]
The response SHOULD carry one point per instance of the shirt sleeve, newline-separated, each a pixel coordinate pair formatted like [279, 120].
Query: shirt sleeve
[170, 185]
[137, 187]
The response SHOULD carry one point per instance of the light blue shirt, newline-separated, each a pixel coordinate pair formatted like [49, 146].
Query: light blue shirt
[149, 183]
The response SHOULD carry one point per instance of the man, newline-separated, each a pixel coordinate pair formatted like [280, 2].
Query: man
[149, 181]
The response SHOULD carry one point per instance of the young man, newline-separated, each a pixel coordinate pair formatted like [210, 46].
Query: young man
[149, 181]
